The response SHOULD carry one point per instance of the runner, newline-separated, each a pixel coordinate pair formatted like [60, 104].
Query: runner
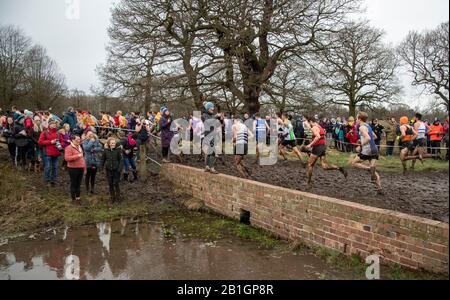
[420, 142]
[318, 148]
[368, 150]
[289, 140]
[240, 141]
[408, 135]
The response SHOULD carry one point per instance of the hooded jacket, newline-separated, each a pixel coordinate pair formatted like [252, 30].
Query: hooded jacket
[69, 118]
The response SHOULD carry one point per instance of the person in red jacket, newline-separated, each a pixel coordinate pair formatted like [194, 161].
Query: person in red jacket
[52, 142]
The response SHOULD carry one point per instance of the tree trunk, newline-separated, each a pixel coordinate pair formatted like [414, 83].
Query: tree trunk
[352, 109]
[252, 91]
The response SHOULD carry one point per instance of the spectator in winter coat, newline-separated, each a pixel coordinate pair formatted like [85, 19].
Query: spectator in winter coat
[22, 141]
[446, 138]
[112, 162]
[8, 134]
[391, 136]
[92, 148]
[129, 144]
[377, 128]
[52, 142]
[166, 133]
[70, 118]
[76, 167]
[436, 135]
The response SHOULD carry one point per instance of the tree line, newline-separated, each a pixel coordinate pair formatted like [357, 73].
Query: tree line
[285, 55]
[270, 55]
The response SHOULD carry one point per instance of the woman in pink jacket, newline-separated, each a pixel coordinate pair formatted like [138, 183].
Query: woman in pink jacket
[76, 166]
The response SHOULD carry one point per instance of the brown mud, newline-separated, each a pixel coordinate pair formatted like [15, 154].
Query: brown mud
[424, 194]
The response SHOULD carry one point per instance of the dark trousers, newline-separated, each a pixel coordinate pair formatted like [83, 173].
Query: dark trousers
[12, 152]
[435, 147]
[21, 158]
[91, 172]
[113, 177]
[76, 177]
[447, 143]
[390, 148]
[165, 152]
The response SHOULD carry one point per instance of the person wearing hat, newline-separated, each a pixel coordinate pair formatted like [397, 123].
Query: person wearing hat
[70, 118]
[166, 134]
[22, 141]
[208, 114]
[52, 143]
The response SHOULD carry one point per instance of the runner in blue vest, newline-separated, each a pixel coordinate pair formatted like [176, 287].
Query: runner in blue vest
[368, 150]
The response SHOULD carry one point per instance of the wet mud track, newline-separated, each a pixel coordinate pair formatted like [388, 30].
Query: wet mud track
[424, 194]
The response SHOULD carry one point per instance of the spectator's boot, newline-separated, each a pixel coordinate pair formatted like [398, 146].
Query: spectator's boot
[92, 189]
[135, 177]
[87, 187]
[125, 176]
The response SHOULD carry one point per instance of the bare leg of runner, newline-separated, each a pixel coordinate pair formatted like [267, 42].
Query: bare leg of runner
[358, 163]
[311, 162]
[239, 166]
[282, 151]
[330, 167]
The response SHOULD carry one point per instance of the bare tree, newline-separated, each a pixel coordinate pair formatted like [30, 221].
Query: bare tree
[44, 83]
[14, 46]
[291, 89]
[426, 55]
[257, 33]
[358, 69]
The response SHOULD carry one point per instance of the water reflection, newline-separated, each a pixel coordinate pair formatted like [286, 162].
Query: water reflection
[104, 234]
[134, 251]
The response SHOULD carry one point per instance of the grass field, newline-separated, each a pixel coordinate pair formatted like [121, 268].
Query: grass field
[389, 164]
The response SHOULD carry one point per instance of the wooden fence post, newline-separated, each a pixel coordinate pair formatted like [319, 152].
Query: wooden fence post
[143, 162]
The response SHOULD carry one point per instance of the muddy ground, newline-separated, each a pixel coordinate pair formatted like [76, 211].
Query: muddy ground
[424, 194]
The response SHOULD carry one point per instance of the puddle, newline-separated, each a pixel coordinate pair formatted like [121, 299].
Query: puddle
[143, 251]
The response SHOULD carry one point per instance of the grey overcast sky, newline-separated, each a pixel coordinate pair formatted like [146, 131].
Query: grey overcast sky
[78, 44]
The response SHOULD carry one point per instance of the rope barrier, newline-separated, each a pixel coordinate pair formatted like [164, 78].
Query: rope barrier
[394, 147]
[125, 129]
[152, 160]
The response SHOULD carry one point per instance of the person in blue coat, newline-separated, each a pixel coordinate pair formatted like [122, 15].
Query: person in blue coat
[70, 118]
[92, 149]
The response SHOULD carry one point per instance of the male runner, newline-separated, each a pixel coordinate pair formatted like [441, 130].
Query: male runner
[318, 148]
[368, 150]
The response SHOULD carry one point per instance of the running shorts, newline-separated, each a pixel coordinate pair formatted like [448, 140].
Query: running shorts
[320, 150]
[286, 143]
[420, 142]
[241, 149]
[407, 145]
[368, 157]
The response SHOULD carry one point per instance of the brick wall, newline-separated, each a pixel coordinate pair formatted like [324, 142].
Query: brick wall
[344, 226]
